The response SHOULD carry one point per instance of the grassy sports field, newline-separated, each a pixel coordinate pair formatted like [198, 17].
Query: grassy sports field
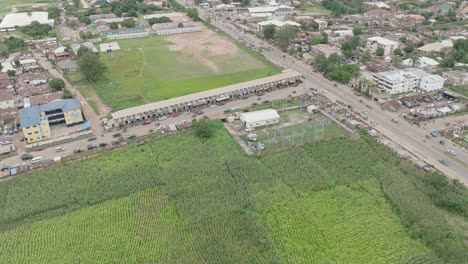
[7, 5]
[162, 67]
[181, 199]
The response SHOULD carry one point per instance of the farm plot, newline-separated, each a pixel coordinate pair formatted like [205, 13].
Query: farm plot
[341, 225]
[162, 67]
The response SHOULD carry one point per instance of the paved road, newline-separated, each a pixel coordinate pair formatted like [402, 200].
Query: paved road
[408, 136]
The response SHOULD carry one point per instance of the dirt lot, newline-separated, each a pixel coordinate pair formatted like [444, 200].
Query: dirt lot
[205, 46]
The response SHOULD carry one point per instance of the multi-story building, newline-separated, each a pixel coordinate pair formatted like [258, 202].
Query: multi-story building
[36, 121]
[407, 80]
[388, 46]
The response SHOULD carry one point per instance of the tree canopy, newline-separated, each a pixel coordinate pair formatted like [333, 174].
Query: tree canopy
[285, 35]
[91, 67]
[269, 31]
[35, 29]
[57, 84]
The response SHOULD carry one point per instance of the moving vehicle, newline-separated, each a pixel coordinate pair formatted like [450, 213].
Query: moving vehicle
[147, 122]
[116, 135]
[394, 120]
[90, 146]
[37, 160]
[91, 139]
[443, 162]
[131, 136]
[451, 152]
[101, 145]
[77, 150]
[162, 118]
[434, 133]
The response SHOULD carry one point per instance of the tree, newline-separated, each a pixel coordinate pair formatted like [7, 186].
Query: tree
[245, 2]
[269, 31]
[397, 52]
[17, 63]
[403, 40]
[357, 31]
[132, 13]
[114, 25]
[1, 67]
[91, 67]
[57, 84]
[366, 56]
[35, 29]
[81, 51]
[128, 23]
[448, 62]
[420, 44]
[11, 73]
[380, 52]
[409, 49]
[285, 35]
[54, 12]
[193, 14]
[204, 129]
[348, 53]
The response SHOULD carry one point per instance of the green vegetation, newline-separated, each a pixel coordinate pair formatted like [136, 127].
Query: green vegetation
[334, 68]
[312, 7]
[459, 54]
[336, 233]
[37, 30]
[145, 70]
[11, 44]
[461, 89]
[94, 106]
[184, 199]
[340, 7]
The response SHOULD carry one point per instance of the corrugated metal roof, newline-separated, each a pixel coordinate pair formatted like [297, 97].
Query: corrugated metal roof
[32, 115]
[210, 93]
[258, 116]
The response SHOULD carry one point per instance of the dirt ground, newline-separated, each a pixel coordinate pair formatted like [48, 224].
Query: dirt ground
[204, 46]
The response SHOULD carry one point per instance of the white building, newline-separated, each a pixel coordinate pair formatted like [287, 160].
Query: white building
[10, 21]
[374, 43]
[407, 80]
[276, 23]
[260, 118]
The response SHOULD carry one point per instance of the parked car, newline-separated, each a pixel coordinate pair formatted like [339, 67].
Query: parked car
[162, 118]
[394, 120]
[78, 150]
[91, 147]
[146, 122]
[116, 135]
[131, 136]
[26, 156]
[59, 149]
[91, 139]
[102, 145]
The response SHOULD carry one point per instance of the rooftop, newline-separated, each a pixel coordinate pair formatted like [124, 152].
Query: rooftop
[24, 19]
[32, 115]
[383, 41]
[4, 96]
[257, 116]
[196, 96]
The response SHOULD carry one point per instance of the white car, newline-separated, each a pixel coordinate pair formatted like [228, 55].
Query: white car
[452, 152]
[213, 106]
[59, 149]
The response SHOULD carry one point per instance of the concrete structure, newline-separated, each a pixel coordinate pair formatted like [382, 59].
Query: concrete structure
[188, 102]
[67, 65]
[324, 49]
[7, 100]
[281, 10]
[260, 118]
[422, 62]
[36, 121]
[322, 24]
[407, 80]
[433, 47]
[171, 25]
[456, 77]
[374, 43]
[11, 21]
[178, 31]
[175, 17]
[276, 23]
[128, 36]
[111, 46]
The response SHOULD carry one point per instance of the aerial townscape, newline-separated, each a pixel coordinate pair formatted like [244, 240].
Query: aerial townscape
[234, 131]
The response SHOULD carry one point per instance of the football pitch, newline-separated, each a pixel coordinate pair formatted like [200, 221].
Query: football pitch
[162, 67]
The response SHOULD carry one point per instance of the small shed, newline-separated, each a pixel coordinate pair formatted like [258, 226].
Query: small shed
[260, 118]
[312, 109]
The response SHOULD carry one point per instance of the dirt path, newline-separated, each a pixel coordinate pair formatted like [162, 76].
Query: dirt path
[86, 108]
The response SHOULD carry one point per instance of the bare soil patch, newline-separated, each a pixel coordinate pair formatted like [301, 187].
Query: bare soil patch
[204, 46]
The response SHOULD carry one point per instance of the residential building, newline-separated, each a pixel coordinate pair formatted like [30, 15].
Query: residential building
[407, 80]
[388, 46]
[15, 20]
[377, 13]
[260, 118]
[28, 64]
[7, 100]
[36, 121]
[276, 23]
[422, 62]
[433, 47]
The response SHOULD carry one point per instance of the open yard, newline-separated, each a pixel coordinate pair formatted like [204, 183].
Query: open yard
[162, 67]
[181, 199]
